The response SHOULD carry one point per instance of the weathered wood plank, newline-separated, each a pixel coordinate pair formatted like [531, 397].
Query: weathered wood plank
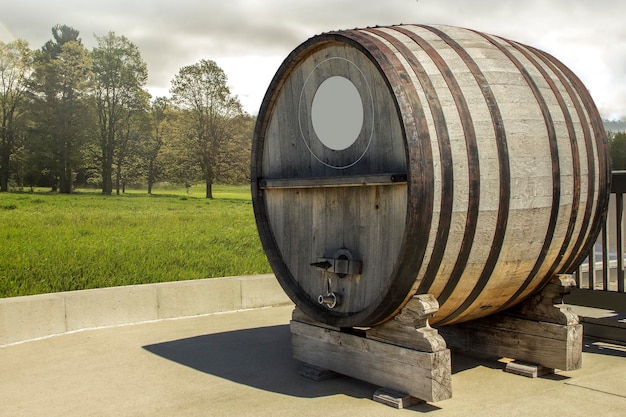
[395, 399]
[410, 328]
[422, 375]
[539, 331]
[548, 305]
[344, 181]
[298, 315]
[550, 345]
[315, 373]
[527, 370]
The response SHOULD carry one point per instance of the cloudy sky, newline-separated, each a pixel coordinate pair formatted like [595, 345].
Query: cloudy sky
[250, 38]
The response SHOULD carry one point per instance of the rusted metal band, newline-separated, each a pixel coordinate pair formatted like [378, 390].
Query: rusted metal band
[473, 160]
[270, 246]
[584, 122]
[473, 173]
[604, 169]
[576, 184]
[420, 182]
[554, 156]
[443, 141]
[504, 191]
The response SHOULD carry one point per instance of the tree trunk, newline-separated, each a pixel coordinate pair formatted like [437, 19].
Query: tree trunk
[209, 189]
[118, 178]
[207, 170]
[107, 146]
[107, 179]
[4, 163]
[65, 182]
[150, 177]
[4, 175]
[107, 170]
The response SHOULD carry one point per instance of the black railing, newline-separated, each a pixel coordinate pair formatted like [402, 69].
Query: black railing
[603, 270]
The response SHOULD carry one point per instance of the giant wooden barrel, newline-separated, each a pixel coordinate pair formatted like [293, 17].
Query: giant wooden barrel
[394, 161]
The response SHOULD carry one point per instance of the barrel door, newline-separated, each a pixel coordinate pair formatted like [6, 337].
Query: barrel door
[392, 161]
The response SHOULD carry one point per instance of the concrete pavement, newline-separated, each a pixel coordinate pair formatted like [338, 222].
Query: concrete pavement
[239, 364]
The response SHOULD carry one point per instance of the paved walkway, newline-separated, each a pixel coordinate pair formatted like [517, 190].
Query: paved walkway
[239, 364]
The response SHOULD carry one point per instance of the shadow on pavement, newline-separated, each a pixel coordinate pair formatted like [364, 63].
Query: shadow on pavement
[258, 357]
[261, 358]
[604, 348]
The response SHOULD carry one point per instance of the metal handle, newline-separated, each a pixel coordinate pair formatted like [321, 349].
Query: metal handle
[331, 300]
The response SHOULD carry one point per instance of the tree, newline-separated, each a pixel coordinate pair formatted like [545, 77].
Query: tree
[133, 128]
[180, 164]
[15, 71]
[62, 34]
[120, 74]
[617, 145]
[158, 111]
[201, 90]
[61, 82]
[234, 164]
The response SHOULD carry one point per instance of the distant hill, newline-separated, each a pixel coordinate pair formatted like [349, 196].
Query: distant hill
[615, 126]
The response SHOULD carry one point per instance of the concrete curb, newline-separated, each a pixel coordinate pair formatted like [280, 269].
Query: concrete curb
[37, 316]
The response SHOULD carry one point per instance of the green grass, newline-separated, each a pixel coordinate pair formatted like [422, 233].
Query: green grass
[51, 242]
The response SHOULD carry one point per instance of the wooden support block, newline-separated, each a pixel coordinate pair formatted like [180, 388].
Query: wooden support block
[527, 370]
[537, 332]
[547, 305]
[298, 315]
[395, 399]
[410, 327]
[384, 361]
[550, 345]
[424, 375]
[315, 373]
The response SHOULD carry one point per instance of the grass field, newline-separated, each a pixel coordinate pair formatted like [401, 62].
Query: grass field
[51, 242]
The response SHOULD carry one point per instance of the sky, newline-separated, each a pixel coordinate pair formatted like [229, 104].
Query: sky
[249, 39]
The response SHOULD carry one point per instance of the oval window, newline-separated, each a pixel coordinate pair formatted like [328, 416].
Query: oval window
[337, 113]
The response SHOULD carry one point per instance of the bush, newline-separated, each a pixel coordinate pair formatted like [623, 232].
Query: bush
[617, 148]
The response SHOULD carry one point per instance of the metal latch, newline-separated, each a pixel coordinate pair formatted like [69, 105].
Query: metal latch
[341, 264]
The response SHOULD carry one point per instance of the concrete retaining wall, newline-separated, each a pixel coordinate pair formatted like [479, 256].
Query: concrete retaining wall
[32, 317]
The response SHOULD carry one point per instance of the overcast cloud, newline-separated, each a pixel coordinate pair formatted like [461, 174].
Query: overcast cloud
[250, 38]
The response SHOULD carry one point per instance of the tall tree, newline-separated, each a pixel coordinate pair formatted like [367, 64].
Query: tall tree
[120, 74]
[15, 70]
[61, 83]
[234, 164]
[201, 89]
[617, 146]
[177, 156]
[61, 35]
[158, 111]
[134, 128]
